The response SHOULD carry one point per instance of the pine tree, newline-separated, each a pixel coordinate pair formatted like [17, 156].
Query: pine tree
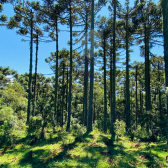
[30, 70]
[89, 126]
[3, 17]
[114, 3]
[165, 34]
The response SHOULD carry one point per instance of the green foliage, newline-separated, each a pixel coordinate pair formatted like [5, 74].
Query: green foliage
[6, 114]
[3, 18]
[99, 123]
[13, 105]
[15, 97]
[5, 134]
[8, 122]
[140, 133]
[12, 23]
[1, 7]
[35, 124]
[77, 128]
[119, 127]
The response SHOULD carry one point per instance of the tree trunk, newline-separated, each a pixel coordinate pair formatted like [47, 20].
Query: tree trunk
[30, 70]
[89, 126]
[105, 88]
[147, 68]
[56, 73]
[111, 87]
[70, 80]
[63, 92]
[127, 77]
[67, 92]
[136, 97]
[86, 75]
[159, 92]
[34, 102]
[165, 34]
[114, 71]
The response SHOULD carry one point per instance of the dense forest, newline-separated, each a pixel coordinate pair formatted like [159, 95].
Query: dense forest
[99, 109]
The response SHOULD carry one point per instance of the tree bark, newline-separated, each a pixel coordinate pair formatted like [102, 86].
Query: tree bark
[105, 88]
[34, 102]
[30, 70]
[114, 71]
[63, 92]
[127, 77]
[165, 34]
[86, 75]
[56, 73]
[70, 79]
[136, 96]
[89, 126]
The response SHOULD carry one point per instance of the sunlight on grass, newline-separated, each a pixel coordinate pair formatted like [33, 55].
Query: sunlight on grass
[90, 150]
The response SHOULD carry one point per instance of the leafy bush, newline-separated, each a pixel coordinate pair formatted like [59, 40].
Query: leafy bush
[119, 127]
[141, 133]
[35, 124]
[6, 137]
[76, 127]
[8, 123]
[14, 97]
[6, 114]
[99, 122]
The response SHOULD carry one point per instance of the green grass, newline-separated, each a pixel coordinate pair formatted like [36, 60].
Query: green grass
[89, 150]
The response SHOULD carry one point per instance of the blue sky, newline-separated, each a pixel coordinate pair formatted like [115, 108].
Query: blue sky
[15, 53]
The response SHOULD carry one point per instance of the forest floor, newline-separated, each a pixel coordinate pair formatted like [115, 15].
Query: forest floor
[93, 149]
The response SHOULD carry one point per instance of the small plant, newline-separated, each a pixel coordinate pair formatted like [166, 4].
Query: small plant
[35, 124]
[77, 128]
[119, 128]
[7, 138]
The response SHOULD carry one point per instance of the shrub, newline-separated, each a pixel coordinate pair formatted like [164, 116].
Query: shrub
[119, 127]
[35, 124]
[76, 127]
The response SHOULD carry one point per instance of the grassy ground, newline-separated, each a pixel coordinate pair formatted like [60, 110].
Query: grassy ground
[89, 150]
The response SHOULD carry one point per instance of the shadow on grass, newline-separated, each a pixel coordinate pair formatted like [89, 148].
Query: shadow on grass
[33, 158]
[112, 154]
[4, 165]
[38, 158]
[95, 153]
[36, 140]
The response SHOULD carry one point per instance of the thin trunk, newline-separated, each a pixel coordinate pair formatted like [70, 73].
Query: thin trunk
[147, 69]
[165, 34]
[30, 70]
[136, 97]
[56, 73]
[95, 117]
[66, 97]
[67, 92]
[160, 107]
[105, 88]
[93, 111]
[34, 102]
[141, 101]
[89, 126]
[63, 92]
[131, 109]
[70, 80]
[127, 77]
[111, 87]
[125, 101]
[86, 76]
[114, 71]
